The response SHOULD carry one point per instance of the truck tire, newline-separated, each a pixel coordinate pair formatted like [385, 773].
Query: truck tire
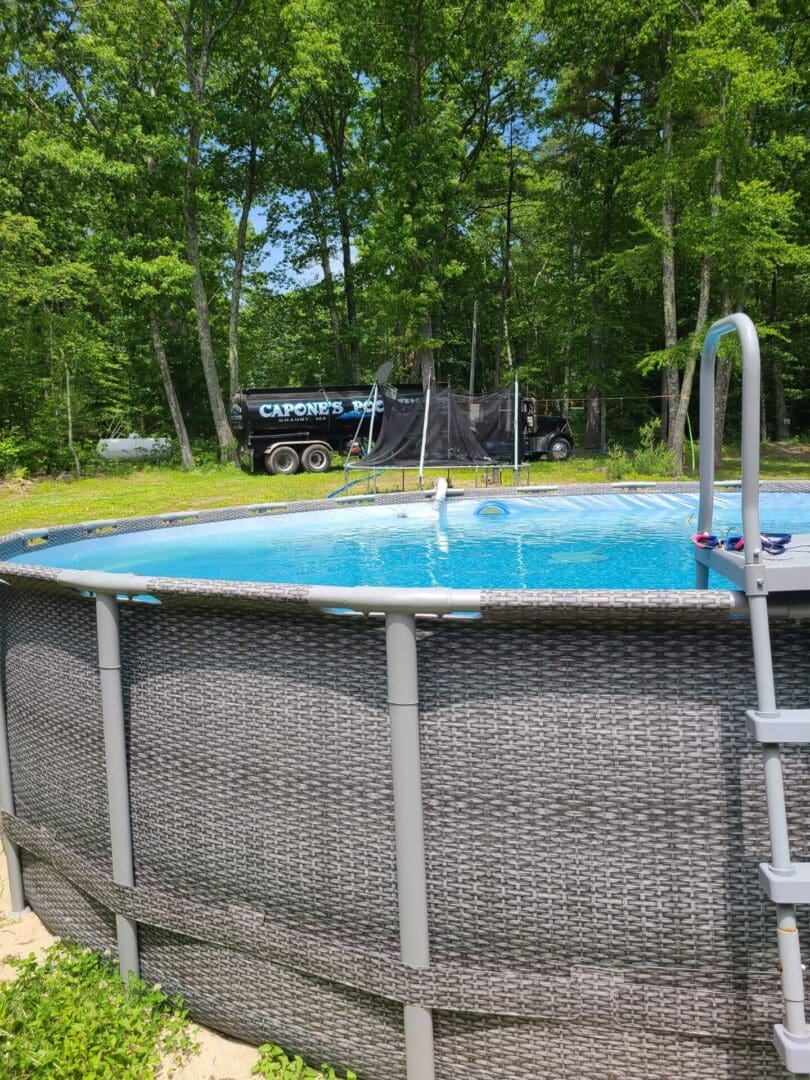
[316, 459]
[559, 448]
[282, 461]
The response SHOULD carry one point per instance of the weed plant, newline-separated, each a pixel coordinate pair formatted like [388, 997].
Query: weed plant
[275, 1064]
[652, 458]
[70, 1017]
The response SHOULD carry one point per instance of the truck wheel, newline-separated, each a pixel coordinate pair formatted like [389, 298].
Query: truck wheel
[559, 448]
[316, 459]
[282, 461]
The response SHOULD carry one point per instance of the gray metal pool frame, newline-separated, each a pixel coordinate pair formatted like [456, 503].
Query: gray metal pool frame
[393, 837]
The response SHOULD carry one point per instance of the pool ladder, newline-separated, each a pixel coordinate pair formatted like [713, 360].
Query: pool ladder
[785, 882]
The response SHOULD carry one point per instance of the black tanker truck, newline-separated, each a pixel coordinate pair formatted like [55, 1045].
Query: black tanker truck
[286, 429]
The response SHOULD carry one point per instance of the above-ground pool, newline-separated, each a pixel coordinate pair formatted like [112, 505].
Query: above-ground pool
[588, 541]
[264, 755]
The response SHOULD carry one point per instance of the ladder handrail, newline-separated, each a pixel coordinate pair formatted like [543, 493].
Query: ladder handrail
[792, 1037]
[749, 342]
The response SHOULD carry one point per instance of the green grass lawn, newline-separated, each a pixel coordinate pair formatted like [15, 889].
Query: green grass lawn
[133, 491]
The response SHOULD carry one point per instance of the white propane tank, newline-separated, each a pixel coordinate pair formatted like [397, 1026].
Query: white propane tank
[135, 448]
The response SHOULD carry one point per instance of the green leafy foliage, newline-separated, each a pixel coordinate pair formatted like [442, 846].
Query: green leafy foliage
[344, 181]
[619, 463]
[275, 1064]
[652, 458]
[69, 1017]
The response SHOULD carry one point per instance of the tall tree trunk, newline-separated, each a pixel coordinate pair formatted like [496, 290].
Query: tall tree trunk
[671, 384]
[186, 456]
[721, 387]
[69, 403]
[238, 268]
[664, 387]
[414, 13]
[763, 416]
[700, 327]
[781, 421]
[687, 382]
[348, 289]
[424, 355]
[508, 344]
[196, 66]
[507, 266]
[593, 424]
[438, 333]
[593, 421]
[322, 240]
[723, 370]
[227, 446]
[780, 416]
[333, 132]
[474, 346]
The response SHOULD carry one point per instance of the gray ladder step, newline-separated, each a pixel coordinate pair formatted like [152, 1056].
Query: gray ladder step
[788, 572]
[784, 726]
[786, 886]
[793, 1050]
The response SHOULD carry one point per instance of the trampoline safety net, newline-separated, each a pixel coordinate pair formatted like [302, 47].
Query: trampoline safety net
[460, 430]
[492, 418]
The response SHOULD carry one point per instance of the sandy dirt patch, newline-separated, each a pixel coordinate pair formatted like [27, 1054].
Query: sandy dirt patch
[219, 1058]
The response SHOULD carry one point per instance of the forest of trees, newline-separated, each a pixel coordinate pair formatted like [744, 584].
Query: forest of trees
[201, 194]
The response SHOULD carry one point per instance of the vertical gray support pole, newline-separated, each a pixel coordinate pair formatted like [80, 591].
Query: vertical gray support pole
[15, 879]
[115, 752]
[403, 709]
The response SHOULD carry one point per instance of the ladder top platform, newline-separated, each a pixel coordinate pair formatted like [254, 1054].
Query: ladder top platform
[788, 572]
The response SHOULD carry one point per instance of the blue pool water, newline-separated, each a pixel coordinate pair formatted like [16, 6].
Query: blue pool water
[604, 541]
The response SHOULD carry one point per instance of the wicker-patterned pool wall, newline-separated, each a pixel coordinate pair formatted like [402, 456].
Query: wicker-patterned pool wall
[394, 837]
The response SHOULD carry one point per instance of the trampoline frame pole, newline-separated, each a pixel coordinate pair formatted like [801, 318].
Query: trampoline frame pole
[352, 445]
[115, 755]
[424, 437]
[373, 415]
